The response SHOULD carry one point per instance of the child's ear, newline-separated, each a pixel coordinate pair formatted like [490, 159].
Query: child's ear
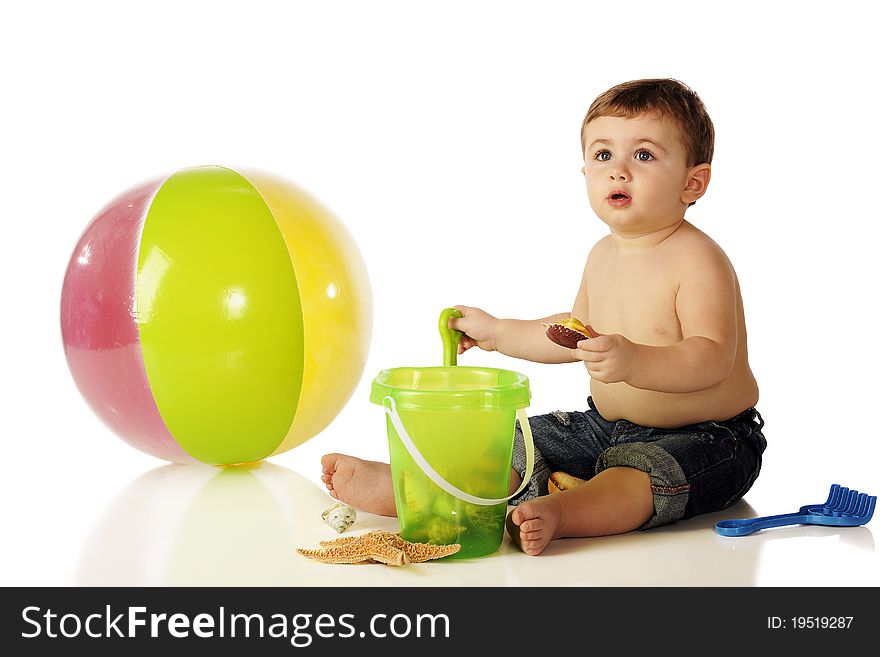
[697, 182]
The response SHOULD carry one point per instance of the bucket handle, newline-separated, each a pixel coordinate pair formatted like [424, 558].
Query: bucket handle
[390, 407]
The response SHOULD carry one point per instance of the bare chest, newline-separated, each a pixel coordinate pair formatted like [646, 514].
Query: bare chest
[635, 299]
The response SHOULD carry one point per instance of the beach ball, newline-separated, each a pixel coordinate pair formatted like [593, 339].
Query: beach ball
[216, 315]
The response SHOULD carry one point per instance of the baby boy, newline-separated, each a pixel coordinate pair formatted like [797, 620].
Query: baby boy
[671, 430]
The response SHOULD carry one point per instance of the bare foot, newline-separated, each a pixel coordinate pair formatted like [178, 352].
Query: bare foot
[533, 524]
[362, 484]
[615, 501]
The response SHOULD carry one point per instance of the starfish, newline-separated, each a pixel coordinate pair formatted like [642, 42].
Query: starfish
[378, 546]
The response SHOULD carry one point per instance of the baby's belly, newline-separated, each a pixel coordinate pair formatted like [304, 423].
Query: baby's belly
[620, 401]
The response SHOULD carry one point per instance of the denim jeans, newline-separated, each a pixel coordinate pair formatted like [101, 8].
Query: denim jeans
[694, 469]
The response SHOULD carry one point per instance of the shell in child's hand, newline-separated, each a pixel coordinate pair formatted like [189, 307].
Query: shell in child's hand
[568, 332]
[340, 517]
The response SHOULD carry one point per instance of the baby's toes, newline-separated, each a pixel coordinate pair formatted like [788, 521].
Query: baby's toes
[531, 542]
[532, 548]
[328, 463]
[518, 516]
[532, 528]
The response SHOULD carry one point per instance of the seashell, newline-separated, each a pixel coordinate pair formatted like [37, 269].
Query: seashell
[568, 332]
[339, 516]
[560, 481]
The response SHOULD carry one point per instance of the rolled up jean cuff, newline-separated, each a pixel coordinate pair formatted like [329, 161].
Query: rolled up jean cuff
[668, 483]
[540, 475]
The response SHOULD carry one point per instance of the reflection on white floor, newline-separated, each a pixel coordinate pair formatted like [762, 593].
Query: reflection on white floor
[197, 525]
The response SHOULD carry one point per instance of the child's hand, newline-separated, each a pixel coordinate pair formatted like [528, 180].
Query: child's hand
[477, 326]
[609, 358]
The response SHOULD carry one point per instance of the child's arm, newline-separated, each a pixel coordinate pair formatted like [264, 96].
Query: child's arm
[706, 305]
[696, 363]
[527, 339]
[518, 338]
[512, 337]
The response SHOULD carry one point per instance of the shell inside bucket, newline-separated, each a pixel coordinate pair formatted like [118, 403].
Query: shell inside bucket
[462, 420]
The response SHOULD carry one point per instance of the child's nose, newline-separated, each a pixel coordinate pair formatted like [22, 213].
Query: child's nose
[619, 174]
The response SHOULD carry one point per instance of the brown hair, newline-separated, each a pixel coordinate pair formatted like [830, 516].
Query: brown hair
[667, 98]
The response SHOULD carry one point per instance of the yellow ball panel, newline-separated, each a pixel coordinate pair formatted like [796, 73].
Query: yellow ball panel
[337, 303]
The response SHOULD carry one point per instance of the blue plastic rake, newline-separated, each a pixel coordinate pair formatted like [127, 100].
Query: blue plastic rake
[843, 508]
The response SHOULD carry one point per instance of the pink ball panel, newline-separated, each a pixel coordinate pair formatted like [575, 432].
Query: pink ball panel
[99, 325]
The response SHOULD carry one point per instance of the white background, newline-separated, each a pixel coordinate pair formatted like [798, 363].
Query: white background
[446, 137]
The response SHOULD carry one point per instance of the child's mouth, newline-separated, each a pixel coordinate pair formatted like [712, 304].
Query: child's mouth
[619, 199]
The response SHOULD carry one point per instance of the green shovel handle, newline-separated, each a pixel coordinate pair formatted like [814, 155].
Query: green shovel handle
[449, 336]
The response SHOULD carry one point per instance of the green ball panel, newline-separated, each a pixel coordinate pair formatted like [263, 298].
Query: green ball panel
[220, 317]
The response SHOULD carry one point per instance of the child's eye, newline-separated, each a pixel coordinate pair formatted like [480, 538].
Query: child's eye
[644, 156]
[602, 156]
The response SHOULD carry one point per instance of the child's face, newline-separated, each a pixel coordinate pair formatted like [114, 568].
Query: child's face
[637, 175]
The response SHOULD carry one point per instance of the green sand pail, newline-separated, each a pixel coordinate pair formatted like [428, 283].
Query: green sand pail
[450, 436]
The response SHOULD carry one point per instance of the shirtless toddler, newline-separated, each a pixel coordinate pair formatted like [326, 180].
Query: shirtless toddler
[671, 430]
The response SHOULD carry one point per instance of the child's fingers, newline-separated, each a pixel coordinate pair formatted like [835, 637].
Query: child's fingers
[588, 356]
[455, 322]
[596, 371]
[601, 343]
